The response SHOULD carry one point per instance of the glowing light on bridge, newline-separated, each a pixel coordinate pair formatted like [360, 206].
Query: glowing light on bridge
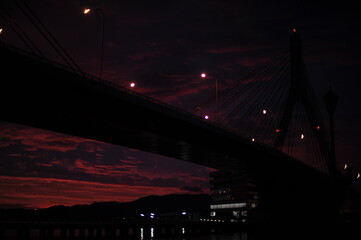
[358, 175]
[206, 117]
[302, 136]
[87, 10]
[345, 167]
[253, 139]
[294, 29]
[132, 84]
[1, 30]
[203, 75]
[264, 111]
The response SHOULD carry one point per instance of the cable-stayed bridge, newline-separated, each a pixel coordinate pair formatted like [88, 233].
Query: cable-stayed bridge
[266, 124]
[274, 105]
[254, 128]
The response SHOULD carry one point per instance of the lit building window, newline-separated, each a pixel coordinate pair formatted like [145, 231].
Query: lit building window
[213, 214]
[228, 205]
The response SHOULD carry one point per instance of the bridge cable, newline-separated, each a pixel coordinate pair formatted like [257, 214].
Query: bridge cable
[268, 99]
[260, 97]
[21, 34]
[249, 91]
[256, 80]
[261, 100]
[245, 77]
[47, 35]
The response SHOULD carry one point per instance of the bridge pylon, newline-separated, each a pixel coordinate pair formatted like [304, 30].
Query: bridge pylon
[300, 91]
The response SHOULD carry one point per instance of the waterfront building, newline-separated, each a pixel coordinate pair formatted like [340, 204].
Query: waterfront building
[233, 196]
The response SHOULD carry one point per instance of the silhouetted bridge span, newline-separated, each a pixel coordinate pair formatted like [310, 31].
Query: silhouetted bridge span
[38, 93]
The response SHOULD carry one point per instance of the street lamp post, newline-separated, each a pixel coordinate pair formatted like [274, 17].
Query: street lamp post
[204, 75]
[88, 11]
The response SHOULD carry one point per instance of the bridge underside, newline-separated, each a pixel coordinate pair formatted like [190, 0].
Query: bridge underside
[42, 95]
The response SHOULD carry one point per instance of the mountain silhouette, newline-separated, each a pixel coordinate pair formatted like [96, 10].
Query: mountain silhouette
[167, 204]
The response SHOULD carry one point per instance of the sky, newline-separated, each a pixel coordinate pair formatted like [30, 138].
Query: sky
[163, 46]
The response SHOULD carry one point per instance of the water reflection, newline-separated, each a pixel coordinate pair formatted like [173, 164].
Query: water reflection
[124, 233]
[189, 234]
[152, 233]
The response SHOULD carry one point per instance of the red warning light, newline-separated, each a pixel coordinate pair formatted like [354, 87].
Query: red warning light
[294, 29]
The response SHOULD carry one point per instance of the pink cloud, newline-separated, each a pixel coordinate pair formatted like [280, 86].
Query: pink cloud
[34, 139]
[107, 170]
[35, 192]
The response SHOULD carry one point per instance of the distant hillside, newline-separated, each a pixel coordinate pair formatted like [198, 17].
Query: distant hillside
[114, 210]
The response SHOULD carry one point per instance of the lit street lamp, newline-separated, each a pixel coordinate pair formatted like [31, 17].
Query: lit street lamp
[88, 11]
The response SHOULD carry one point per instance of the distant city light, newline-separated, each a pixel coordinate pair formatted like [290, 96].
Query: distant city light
[294, 29]
[132, 84]
[302, 136]
[1, 30]
[345, 166]
[358, 175]
[152, 214]
[318, 127]
[278, 130]
[203, 75]
[206, 117]
[264, 111]
[253, 139]
[142, 214]
[184, 213]
[87, 10]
